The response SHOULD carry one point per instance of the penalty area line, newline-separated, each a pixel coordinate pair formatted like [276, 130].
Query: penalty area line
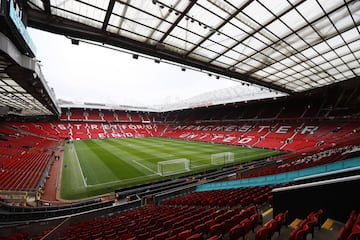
[121, 181]
[143, 166]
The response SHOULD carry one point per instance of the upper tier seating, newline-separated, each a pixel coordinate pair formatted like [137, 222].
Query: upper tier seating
[92, 115]
[65, 115]
[108, 116]
[77, 115]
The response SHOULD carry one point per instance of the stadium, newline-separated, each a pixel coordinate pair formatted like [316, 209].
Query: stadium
[283, 164]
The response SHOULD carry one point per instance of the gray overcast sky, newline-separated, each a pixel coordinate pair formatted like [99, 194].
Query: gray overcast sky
[87, 73]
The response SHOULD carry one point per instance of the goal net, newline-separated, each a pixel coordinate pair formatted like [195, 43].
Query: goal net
[173, 166]
[222, 158]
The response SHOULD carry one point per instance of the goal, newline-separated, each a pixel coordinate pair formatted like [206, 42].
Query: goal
[174, 166]
[222, 158]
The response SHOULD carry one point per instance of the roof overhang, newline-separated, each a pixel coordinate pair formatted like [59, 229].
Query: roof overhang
[23, 89]
[288, 46]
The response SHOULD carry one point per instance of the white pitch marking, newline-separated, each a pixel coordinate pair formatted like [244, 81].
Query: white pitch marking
[78, 162]
[142, 165]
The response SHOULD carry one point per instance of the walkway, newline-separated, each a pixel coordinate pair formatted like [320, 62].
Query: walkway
[52, 182]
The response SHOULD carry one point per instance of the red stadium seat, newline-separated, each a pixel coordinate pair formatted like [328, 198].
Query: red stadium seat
[263, 233]
[161, 236]
[237, 231]
[216, 237]
[184, 234]
[196, 236]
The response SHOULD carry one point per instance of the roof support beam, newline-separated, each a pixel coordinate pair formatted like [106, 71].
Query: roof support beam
[46, 4]
[187, 9]
[298, 30]
[108, 14]
[220, 26]
[257, 30]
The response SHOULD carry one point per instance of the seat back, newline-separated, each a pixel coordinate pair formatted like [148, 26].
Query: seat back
[301, 234]
[184, 234]
[282, 216]
[161, 236]
[196, 236]
[262, 233]
[216, 237]
[273, 226]
[216, 229]
[237, 231]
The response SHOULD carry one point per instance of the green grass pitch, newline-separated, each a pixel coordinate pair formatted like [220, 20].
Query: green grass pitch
[94, 167]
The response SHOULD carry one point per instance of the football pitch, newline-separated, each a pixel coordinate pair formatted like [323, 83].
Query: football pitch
[98, 166]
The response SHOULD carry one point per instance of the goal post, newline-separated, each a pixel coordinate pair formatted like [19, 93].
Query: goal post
[174, 166]
[222, 158]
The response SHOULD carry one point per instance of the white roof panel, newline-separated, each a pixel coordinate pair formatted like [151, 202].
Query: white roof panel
[264, 39]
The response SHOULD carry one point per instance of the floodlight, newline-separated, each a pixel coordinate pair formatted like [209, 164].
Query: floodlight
[74, 41]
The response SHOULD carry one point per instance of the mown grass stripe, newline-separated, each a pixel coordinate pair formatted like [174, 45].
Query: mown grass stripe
[78, 161]
[94, 168]
[168, 153]
[120, 158]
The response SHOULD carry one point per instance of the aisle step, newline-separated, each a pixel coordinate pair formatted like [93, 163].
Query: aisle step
[328, 224]
[295, 223]
[267, 212]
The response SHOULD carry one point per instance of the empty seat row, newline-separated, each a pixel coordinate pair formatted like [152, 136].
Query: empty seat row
[167, 222]
[306, 226]
[273, 226]
[224, 198]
